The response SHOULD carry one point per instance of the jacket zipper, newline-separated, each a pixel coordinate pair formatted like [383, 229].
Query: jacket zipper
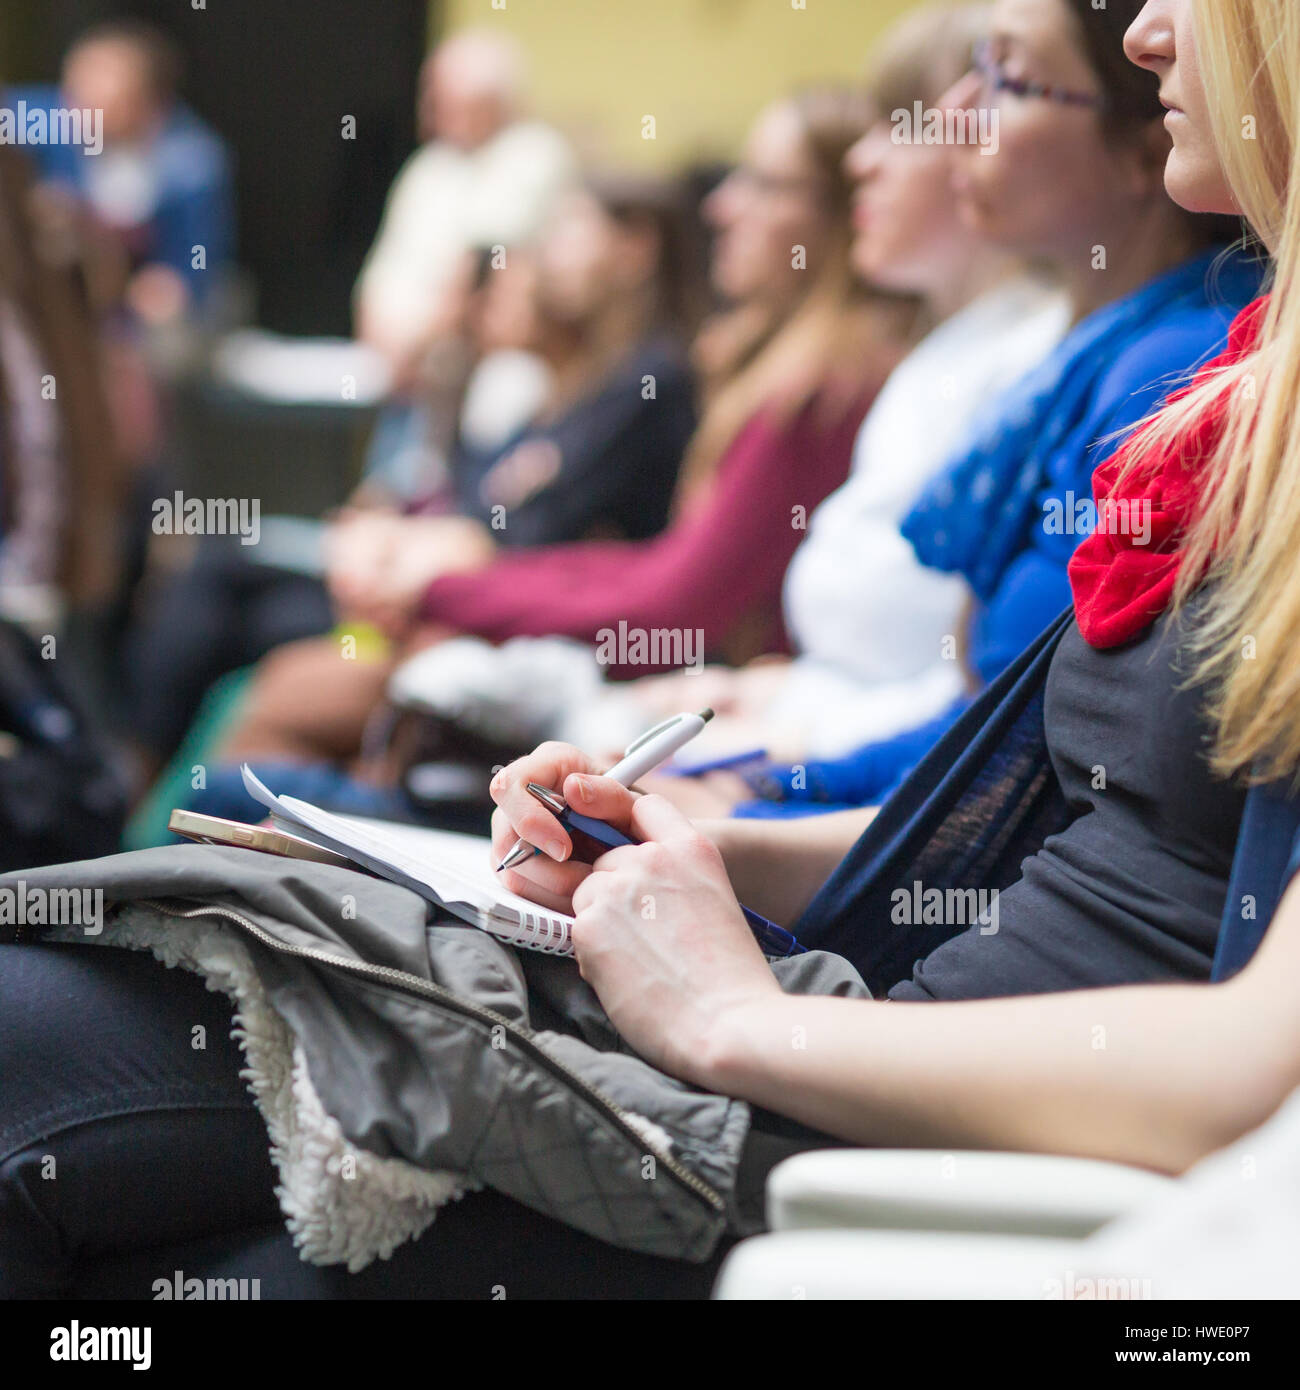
[426, 989]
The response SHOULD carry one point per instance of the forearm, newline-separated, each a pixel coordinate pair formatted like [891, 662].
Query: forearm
[776, 867]
[1152, 1075]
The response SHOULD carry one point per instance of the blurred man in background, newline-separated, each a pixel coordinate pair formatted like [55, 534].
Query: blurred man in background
[160, 188]
[485, 176]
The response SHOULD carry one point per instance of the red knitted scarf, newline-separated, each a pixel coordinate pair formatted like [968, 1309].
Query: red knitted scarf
[1123, 574]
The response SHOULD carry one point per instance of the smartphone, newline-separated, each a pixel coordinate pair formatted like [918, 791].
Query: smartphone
[213, 830]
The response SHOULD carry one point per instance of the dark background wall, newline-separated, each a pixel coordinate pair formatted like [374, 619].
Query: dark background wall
[276, 78]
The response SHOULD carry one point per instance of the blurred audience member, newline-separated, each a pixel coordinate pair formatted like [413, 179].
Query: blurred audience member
[614, 287]
[485, 176]
[161, 185]
[60, 479]
[60, 558]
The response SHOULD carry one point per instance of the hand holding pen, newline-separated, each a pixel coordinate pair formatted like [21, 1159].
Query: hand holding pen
[654, 747]
[591, 838]
[552, 881]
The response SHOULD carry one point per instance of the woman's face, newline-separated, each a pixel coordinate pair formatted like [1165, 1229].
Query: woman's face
[506, 308]
[1162, 40]
[771, 203]
[585, 259]
[908, 233]
[1055, 185]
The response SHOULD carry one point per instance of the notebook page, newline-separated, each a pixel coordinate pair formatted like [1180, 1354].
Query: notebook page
[455, 869]
[447, 857]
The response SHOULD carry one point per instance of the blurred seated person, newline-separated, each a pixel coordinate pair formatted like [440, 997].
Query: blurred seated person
[484, 176]
[604, 302]
[161, 185]
[614, 283]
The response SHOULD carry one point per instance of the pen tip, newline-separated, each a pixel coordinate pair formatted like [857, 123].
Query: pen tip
[706, 715]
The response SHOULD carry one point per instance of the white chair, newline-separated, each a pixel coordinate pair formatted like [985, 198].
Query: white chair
[898, 1223]
[891, 1224]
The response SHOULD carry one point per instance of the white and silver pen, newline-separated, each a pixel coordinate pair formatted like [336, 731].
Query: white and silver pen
[655, 746]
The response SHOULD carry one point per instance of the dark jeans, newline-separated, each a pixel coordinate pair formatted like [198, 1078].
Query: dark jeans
[225, 612]
[128, 1151]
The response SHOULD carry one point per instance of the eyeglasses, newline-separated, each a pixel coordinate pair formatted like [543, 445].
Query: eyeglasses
[996, 79]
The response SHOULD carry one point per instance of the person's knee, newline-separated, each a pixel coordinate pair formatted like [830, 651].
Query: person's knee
[308, 700]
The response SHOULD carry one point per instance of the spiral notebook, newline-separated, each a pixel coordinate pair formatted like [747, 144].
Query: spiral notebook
[450, 870]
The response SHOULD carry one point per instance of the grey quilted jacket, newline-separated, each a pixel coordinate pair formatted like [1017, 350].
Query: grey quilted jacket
[429, 1040]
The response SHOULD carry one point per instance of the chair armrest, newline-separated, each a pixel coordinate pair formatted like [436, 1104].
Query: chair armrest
[929, 1190]
[892, 1265]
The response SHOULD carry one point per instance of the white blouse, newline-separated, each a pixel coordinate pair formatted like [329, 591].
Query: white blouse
[872, 624]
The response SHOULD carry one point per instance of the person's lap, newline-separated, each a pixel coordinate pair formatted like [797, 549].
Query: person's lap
[130, 1148]
[310, 702]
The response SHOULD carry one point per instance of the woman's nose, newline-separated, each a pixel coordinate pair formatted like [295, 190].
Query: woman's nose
[719, 207]
[1149, 42]
[863, 158]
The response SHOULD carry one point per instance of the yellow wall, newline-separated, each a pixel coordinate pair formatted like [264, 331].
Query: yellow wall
[702, 68]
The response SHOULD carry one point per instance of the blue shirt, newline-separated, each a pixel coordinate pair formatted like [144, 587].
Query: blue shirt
[194, 194]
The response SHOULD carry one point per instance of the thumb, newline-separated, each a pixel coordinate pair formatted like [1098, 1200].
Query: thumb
[602, 798]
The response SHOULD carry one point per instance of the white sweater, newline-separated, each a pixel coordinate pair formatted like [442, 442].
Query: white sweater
[868, 620]
[445, 202]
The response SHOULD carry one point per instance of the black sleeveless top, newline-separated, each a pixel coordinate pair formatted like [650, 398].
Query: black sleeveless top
[1133, 889]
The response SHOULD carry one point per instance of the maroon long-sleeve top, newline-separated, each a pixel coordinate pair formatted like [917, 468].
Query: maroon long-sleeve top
[720, 566]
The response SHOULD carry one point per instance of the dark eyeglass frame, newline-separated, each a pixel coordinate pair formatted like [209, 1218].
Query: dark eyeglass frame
[994, 74]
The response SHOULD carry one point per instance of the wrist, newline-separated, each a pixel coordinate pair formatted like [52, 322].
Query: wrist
[730, 1055]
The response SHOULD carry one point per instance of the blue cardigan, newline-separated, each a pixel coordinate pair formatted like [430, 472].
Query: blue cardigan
[980, 803]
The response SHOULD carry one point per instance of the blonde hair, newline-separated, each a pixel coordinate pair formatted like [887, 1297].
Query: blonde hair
[1243, 537]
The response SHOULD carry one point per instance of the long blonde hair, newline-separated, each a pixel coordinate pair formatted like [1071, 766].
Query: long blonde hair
[1245, 535]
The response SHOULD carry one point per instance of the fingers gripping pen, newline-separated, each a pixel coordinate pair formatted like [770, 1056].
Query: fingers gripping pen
[655, 746]
[591, 838]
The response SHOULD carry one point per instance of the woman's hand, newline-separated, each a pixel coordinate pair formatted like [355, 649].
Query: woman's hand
[549, 878]
[357, 547]
[659, 932]
[660, 937]
[380, 567]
